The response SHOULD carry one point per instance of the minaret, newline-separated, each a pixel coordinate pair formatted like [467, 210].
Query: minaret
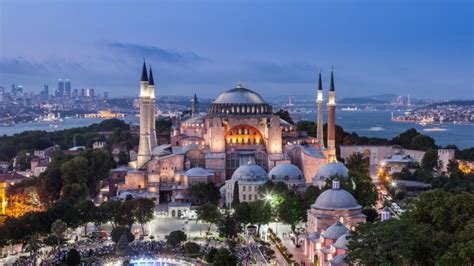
[151, 88]
[332, 122]
[319, 121]
[195, 107]
[144, 148]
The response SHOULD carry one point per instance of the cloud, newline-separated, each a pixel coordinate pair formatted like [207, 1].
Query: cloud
[156, 53]
[24, 67]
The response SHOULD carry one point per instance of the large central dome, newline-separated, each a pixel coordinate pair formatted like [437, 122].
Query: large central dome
[240, 95]
[239, 101]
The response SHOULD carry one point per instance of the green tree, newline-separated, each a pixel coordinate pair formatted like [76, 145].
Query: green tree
[260, 213]
[87, 213]
[205, 192]
[58, 228]
[224, 256]
[119, 231]
[123, 158]
[110, 211]
[228, 226]
[235, 195]
[210, 255]
[430, 160]
[371, 214]
[242, 213]
[175, 238]
[144, 210]
[73, 257]
[127, 211]
[208, 213]
[359, 183]
[33, 244]
[291, 211]
[283, 114]
[191, 249]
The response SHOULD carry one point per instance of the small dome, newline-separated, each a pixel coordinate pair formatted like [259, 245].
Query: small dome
[239, 95]
[249, 173]
[343, 240]
[331, 169]
[198, 171]
[285, 172]
[194, 120]
[335, 231]
[336, 199]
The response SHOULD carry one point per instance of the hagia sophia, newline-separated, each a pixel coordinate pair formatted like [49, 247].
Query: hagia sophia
[239, 141]
[239, 137]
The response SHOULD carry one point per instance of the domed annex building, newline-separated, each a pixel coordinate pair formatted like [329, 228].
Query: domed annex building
[330, 220]
[238, 129]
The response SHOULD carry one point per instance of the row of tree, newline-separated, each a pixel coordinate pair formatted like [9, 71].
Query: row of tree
[120, 214]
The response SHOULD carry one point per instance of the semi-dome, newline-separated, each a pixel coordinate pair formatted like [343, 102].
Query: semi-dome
[335, 231]
[285, 172]
[336, 199]
[190, 147]
[239, 100]
[331, 169]
[198, 171]
[250, 173]
[343, 240]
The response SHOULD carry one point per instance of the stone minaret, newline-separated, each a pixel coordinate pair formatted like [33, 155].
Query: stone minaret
[195, 107]
[332, 122]
[319, 121]
[144, 148]
[151, 88]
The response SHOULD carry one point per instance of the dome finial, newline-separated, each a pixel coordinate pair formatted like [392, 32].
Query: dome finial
[239, 84]
[336, 184]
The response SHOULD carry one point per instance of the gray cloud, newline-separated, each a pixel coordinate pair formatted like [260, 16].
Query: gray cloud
[155, 53]
[24, 67]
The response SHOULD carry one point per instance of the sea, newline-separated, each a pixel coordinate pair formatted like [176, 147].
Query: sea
[364, 123]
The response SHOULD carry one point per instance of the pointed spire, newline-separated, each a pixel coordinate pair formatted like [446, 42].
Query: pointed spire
[151, 81]
[320, 84]
[332, 80]
[144, 75]
[195, 98]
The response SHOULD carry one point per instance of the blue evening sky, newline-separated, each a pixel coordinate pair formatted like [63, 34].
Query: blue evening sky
[422, 48]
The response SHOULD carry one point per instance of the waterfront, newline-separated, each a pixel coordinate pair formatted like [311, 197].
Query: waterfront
[364, 123]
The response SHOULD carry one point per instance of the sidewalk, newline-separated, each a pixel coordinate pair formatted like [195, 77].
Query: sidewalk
[298, 253]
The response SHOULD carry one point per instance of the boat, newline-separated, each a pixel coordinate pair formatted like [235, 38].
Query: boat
[434, 129]
[349, 109]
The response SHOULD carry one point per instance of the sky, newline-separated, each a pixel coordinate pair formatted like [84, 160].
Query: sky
[417, 47]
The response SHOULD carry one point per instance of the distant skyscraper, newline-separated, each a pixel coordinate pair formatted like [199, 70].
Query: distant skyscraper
[45, 92]
[75, 93]
[408, 101]
[67, 88]
[106, 94]
[83, 93]
[90, 93]
[60, 90]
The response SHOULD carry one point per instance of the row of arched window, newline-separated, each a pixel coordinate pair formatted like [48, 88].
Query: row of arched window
[239, 109]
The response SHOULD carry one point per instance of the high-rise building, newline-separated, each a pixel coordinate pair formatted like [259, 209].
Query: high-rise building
[83, 93]
[60, 91]
[75, 93]
[89, 93]
[45, 92]
[67, 88]
[106, 94]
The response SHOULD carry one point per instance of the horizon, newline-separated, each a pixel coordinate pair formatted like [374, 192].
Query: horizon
[415, 48]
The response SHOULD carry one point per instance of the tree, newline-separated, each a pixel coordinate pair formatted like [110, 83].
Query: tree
[33, 244]
[87, 213]
[117, 232]
[430, 160]
[283, 114]
[224, 257]
[207, 192]
[127, 213]
[73, 257]
[123, 158]
[110, 211]
[191, 249]
[291, 211]
[208, 213]
[359, 183]
[371, 214]
[242, 213]
[144, 210]
[228, 226]
[211, 255]
[310, 195]
[58, 228]
[260, 213]
[175, 238]
[235, 195]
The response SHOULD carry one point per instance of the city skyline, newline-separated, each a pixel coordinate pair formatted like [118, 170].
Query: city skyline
[414, 48]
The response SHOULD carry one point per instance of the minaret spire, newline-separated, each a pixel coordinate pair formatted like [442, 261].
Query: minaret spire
[319, 119]
[150, 78]
[144, 76]
[195, 106]
[331, 88]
